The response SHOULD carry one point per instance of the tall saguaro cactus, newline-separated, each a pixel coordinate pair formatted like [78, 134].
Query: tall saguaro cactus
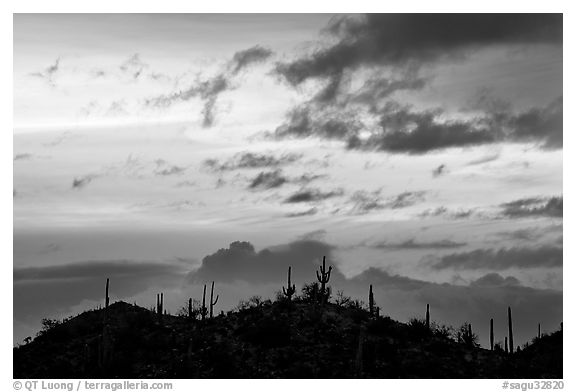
[323, 277]
[190, 308]
[371, 301]
[539, 335]
[506, 344]
[492, 334]
[204, 310]
[291, 290]
[428, 316]
[107, 297]
[212, 302]
[510, 333]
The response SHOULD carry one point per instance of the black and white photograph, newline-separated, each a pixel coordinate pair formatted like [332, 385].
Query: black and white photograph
[287, 196]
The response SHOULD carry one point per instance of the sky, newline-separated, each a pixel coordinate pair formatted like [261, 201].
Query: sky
[419, 153]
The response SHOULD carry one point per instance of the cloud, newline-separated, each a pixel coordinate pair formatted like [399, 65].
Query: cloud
[501, 259]
[244, 58]
[81, 182]
[208, 90]
[275, 178]
[134, 66]
[268, 180]
[534, 207]
[400, 39]
[484, 159]
[49, 73]
[310, 195]
[413, 244]
[442, 211]
[248, 160]
[23, 157]
[241, 262]
[163, 168]
[538, 124]
[392, 50]
[495, 280]
[440, 170]
[299, 214]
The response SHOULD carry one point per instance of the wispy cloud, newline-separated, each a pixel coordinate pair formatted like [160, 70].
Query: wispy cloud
[501, 259]
[249, 160]
[311, 195]
[49, 73]
[533, 207]
[414, 244]
[208, 90]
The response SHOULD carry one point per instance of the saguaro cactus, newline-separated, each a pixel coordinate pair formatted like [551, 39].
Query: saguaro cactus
[212, 303]
[204, 310]
[190, 308]
[506, 344]
[539, 335]
[371, 301]
[510, 334]
[107, 298]
[291, 290]
[428, 316]
[492, 334]
[323, 277]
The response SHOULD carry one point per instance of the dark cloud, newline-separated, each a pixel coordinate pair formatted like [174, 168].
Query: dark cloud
[440, 170]
[531, 234]
[49, 73]
[268, 180]
[304, 122]
[538, 125]
[248, 160]
[23, 157]
[401, 39]
[501, 259]
[241, 262]
[484, 159]
[400, 45]
[92, 269]
[442, 211]
[275, 178]
[81, 182]
[413, 244]
[309, 195]
[406, 131]
[495, 280]
[308, 212]
[244, 58]
[534, 207]
[208, 90]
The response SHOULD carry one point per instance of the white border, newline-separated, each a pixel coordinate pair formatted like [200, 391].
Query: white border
[294, 6]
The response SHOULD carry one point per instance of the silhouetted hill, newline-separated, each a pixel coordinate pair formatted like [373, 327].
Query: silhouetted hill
[264, 339]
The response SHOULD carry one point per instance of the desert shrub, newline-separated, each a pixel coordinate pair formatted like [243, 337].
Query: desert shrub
[464, 336]
[442, 331]
[341, 299]
[196, 310]
[418, 328]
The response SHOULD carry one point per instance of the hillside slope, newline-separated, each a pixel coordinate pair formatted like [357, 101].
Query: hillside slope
[268, 340]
